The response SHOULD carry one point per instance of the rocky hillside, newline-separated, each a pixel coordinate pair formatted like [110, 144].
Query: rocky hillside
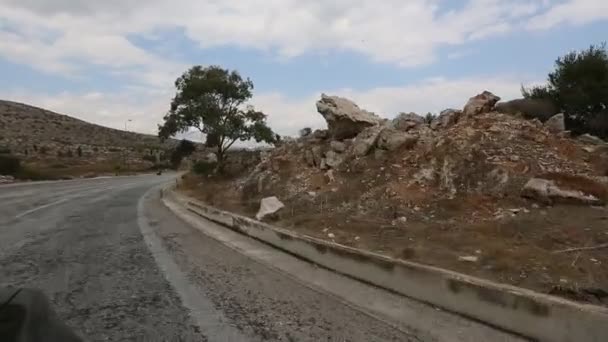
[475, 190]
[23, 126]
[61, 144]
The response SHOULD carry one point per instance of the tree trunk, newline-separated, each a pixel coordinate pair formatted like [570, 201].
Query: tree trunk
[220, 159]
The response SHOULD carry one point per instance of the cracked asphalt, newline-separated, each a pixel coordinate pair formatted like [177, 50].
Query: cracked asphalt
[118, 265]
[80, 242]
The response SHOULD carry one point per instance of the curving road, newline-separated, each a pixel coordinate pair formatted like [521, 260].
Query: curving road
[119, 266]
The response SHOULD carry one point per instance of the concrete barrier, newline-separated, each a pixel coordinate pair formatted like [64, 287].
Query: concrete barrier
[518, 310]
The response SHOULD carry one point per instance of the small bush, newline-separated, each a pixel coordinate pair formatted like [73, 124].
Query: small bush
[149, 158]
[26, 173]
[306, 131]
[5, 150]
[43, 150]
[9, 165]
[204, 168]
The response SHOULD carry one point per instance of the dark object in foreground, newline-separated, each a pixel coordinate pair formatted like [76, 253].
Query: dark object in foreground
[159, 173]
[26, 316]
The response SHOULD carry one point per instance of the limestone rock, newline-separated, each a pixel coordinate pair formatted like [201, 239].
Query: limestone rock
[333, 159]
[556, 124]
[344, 118]
[365, 141]
[269, 206]
[590, 139]
[479, 104]
[391, 139]
[338, 146]
[446, 118]
[550, 191]
[321, 134]
[407, 121]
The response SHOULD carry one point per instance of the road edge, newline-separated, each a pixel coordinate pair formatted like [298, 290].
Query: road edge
[201, 310]
[514, 309]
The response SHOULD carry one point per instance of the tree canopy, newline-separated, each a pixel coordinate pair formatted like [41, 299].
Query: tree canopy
[182, 150]
[579, 87]
[213, 100]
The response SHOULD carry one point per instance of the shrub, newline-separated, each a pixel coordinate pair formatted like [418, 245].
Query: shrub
[149, 158]
[579, 88]
[5, 150]
[306, 131]
[204, 168]
[9, 165]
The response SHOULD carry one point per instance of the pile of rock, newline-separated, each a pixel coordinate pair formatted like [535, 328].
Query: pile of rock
[473, 151]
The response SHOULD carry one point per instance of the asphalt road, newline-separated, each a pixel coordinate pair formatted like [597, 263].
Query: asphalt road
[119, 266]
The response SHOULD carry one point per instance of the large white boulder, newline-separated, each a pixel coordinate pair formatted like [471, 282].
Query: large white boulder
[269, 206]
[479, 104]
[344, 118]
[556, 124]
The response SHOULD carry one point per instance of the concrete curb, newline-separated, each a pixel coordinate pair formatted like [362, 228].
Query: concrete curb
[518, 310]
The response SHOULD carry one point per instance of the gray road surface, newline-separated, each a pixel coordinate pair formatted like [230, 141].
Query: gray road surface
[119, 266]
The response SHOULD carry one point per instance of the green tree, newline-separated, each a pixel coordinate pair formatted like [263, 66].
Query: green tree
[213, 100]
[579, 87]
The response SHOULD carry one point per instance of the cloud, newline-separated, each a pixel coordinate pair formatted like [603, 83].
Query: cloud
[286, 115]
[571, 12]
[62, 36]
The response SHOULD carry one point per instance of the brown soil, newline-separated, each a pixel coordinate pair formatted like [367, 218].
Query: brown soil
[518, 249]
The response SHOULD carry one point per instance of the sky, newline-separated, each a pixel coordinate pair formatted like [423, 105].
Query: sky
[111, 61]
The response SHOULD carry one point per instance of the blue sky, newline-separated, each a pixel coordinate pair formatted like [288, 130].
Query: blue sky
[111, 61]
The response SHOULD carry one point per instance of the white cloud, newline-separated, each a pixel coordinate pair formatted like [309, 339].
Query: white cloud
[285, 115]
[572, 12]
[52, 35]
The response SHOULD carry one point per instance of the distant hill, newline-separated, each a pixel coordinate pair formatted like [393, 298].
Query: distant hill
[50, 140]
[21, 123]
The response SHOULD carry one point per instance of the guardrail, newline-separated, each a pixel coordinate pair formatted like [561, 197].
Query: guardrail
[518, 310]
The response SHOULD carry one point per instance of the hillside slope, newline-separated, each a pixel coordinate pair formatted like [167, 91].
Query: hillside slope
[50, 141]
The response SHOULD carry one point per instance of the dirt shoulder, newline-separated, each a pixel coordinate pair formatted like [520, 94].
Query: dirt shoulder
[520, 248]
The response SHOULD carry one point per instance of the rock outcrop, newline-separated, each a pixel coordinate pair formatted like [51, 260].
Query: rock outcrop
[565, 189]
[556, 124]
[338, 146]
[365, 141]
[344, 118]
[392, 139]
[407, 121]
[480, 104]
[446, 119]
